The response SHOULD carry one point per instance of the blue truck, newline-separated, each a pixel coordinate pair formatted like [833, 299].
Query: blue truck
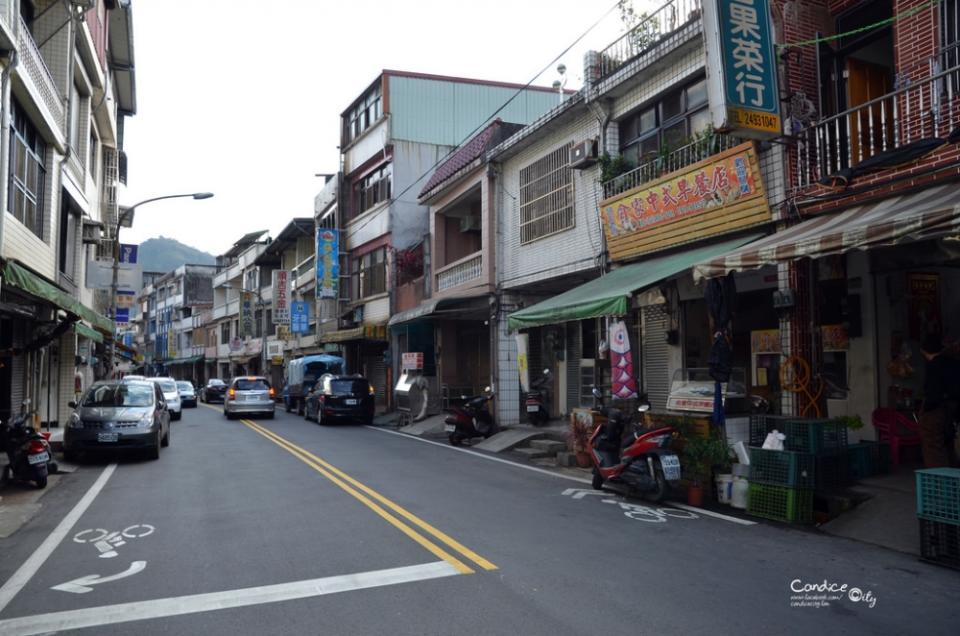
[303, 373]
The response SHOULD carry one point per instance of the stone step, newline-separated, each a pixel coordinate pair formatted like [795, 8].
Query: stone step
[533, 453]
[549, 445]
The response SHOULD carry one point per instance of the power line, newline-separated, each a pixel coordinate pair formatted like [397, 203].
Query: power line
[484, 123]
[869, 27]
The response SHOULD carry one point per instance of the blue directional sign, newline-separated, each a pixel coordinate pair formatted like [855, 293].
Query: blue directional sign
[128, 253]
[299, 316]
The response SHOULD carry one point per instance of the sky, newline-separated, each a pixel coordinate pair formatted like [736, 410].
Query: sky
[242, 98]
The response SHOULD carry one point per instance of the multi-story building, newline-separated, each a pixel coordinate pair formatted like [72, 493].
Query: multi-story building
[67, 82]
[392, 137]
[241, 310]
[606, 204]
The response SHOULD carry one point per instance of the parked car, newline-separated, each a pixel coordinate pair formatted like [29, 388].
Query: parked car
[340, 398]
[249, 395]
[188, 396]
[134, 377]
[214, 391]
[172, 396]
[302, 375]
[122, 415]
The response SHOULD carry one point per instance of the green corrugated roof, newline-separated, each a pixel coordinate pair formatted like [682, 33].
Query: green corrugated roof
[25, 280]
[610, 295]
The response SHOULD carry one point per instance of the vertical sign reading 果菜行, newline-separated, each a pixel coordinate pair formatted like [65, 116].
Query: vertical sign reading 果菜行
[281, 297]
[742, 68]
[328, 263]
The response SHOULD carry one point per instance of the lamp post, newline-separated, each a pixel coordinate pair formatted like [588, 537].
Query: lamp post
[263, 320]
[124, 214]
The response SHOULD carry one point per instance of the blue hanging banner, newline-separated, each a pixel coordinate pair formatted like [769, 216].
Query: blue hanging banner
[328, 263]
[299, 316]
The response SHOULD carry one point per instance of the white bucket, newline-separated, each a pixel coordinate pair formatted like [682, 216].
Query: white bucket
[738, 497]
[724, 488]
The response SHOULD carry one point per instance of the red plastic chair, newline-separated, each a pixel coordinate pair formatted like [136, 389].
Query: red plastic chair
[896, 429]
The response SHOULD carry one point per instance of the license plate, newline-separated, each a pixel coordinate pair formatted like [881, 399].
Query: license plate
[449, 428]
[532, 408]
[350, 402]
[38, 458]
[108, 437]
[671, 467]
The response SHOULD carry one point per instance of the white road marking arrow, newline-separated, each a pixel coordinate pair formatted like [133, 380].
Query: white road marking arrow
[81, 585]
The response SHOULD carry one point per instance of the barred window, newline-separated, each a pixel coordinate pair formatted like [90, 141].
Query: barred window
[546, 196]
[26, 173]
[370, 274]
[371, 190]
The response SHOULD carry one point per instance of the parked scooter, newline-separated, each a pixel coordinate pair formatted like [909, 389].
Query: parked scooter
[643, 462]
[471, 419]
[27, 451]
[537, 399]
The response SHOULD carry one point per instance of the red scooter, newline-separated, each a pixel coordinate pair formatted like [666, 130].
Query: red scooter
[470, 419]
[643, 462]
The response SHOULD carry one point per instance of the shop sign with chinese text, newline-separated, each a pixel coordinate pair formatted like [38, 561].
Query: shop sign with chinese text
[721, 194]
[246, 314]
[412, 360]
[742, 68]
[281, 296]
[328, 263]
[299, 316]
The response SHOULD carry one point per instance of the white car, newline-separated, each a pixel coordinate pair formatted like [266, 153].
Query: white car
[172, 395]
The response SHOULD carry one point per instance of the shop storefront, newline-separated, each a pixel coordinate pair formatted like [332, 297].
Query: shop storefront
[365, 350]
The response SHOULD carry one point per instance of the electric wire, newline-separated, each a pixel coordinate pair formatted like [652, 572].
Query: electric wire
[869, 27]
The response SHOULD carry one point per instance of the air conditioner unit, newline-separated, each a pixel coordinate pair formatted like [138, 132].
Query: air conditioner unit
[583, 154]
[470, 223]
[92, 232]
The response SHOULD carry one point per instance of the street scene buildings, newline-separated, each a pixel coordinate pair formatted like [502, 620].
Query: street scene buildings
[740, 232]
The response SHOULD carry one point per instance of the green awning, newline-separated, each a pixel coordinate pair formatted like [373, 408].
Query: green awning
[190, 360]
[609, 295]
[87, 332]
[25, 280]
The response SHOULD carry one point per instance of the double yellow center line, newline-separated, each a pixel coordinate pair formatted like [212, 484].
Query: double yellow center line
[387, 509]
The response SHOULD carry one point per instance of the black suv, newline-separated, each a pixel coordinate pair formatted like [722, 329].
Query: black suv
[340, 398]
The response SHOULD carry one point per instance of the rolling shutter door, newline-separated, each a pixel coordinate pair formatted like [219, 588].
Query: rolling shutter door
[656, 353]
[573, 365]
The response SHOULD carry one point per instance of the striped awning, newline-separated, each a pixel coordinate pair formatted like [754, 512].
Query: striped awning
[931, 213]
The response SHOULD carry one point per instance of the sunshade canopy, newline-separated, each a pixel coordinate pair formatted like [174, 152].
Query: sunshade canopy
[932, 213]
[610, 294]
[88, 333]
[25, 280]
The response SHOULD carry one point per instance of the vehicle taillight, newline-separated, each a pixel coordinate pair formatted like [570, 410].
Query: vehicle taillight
[233, 393]
[36, 446]
[372, 390]
[273, 392]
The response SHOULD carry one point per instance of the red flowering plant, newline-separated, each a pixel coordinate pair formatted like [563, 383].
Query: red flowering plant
[409, 264]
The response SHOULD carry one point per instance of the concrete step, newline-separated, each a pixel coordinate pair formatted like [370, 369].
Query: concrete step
[551, 446]
[533, 453]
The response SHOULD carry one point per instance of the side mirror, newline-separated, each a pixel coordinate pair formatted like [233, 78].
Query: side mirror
[597, 393]
[643, 408]
[72, 404]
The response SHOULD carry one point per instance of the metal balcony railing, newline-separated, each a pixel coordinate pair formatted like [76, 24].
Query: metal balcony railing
[677, 160]
[672, 15]
[917, 113]
[36, 69]
[460, 272]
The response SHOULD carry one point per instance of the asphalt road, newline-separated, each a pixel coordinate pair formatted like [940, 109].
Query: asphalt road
[286, 527]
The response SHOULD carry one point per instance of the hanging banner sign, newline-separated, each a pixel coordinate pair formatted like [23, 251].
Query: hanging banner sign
[299, 316]
[742, 68]
[246, 314]
[624, 384]
[281, 296]
[523, 342]
[328, 263]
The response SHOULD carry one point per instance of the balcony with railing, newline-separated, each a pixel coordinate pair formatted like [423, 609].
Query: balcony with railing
[678, 159]
[916, 119]
[38, 77]
[465, 270]
[650, 29]
[306, 273]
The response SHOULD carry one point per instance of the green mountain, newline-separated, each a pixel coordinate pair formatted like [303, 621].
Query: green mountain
[166, 254]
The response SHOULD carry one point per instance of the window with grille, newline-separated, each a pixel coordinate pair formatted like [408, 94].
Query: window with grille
[370, 273]
[372, 189]
[950, 39]
[26, 172]
[546, 196]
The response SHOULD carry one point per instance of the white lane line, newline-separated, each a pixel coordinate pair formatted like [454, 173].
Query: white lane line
[22, 576]
[581, 480]
[179, 605]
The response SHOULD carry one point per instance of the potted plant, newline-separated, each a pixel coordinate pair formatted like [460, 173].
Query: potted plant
[578, 439]
[700, 456]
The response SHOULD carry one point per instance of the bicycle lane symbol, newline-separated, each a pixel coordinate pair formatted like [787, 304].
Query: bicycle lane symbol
[637, 512]
[107, 542]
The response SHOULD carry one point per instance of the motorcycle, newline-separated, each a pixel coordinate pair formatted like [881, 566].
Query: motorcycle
[28, 452]
[643, 462]
[470, 419]
[536, 400]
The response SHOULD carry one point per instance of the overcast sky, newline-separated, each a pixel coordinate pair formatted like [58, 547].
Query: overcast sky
[242, 98]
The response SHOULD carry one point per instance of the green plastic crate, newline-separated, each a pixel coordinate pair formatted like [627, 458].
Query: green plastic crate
[815, 436]
[938, 494]
[780, 503]
[782, 468]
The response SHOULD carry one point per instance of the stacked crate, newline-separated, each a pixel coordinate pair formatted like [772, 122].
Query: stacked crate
[938, 510]
[782, 483]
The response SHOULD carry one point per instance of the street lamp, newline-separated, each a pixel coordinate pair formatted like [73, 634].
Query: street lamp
[263, 320]
[125, 213]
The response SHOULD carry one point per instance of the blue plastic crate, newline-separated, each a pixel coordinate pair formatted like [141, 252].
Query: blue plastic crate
[782, 468]
[815, 436]
[938, 495]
